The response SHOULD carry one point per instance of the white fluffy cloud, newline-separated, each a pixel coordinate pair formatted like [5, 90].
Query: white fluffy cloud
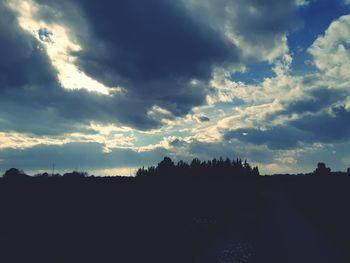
[331, 52]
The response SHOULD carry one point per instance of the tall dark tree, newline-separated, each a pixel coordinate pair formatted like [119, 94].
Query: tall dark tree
[322, 170]
[166, 166]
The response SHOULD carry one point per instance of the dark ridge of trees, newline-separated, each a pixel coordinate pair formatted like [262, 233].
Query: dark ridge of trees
[322, 170]
[216, 167]
[42, 175]
[75, 175]
[15, 174]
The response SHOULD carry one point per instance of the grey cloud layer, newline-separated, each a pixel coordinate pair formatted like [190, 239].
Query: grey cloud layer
[154, 49]
[260, 24]
[322, 118]
[70, 156]
[316, 128]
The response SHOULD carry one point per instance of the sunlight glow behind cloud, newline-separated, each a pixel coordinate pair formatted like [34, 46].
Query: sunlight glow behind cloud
[58, 46]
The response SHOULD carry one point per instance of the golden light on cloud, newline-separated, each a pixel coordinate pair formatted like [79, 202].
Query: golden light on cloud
[58, 46]
[111, 141]
[16, 140]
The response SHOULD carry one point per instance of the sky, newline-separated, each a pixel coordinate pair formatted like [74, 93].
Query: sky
[112, 85]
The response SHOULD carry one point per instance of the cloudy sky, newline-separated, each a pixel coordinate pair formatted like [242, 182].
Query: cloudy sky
[107, 86]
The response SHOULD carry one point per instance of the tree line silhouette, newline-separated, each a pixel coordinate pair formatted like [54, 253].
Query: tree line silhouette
[17, 174]
[214, 167]
[197, 167]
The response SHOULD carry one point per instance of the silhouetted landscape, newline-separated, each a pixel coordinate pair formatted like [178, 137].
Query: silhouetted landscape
[212, 211]
[112, 111]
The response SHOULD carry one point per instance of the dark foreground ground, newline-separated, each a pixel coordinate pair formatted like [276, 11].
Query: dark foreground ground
[159, 219]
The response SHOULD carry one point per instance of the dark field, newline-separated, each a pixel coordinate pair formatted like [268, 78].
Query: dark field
[175, 219]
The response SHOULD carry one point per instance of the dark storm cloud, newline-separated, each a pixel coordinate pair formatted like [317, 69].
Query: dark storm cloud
[279, 137]
[321, 120]
[148, 41]
[314, 101]
[149, 46]
[322, 127]
[32, 100]
[318, 99]
[260, 23]
[153, 49]
[178, 143]
[59, 111]
[203, 118]
[326, 127]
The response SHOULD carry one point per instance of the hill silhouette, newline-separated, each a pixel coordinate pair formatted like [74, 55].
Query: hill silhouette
[212, 211]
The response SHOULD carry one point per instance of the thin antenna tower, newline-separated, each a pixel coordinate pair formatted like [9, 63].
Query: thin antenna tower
[53, 169]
